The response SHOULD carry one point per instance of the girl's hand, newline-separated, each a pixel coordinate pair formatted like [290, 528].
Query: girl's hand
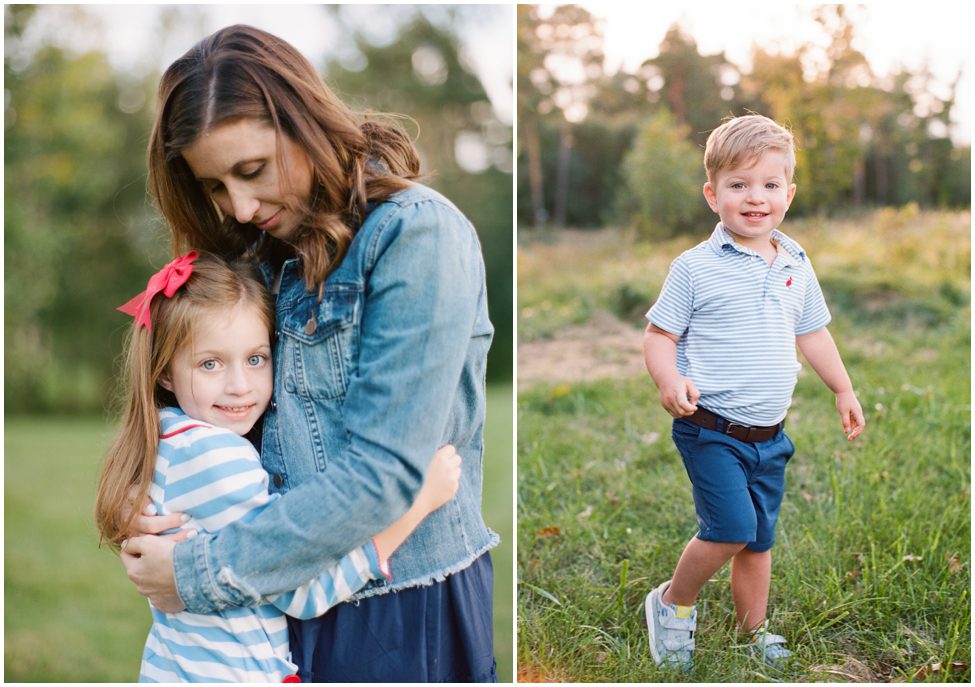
[441, 481]
[150, 523]
[440, 484]
[851, 414]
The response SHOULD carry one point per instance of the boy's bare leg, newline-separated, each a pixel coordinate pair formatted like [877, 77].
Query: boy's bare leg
[700, 560]
[751, 575]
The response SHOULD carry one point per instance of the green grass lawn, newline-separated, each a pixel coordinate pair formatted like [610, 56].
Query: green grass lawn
[70, 613]
[871, 574]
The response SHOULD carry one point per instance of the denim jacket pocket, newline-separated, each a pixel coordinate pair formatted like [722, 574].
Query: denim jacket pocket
[319, 342]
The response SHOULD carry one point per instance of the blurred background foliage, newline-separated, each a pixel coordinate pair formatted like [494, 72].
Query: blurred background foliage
[626, 148]
[80, 235]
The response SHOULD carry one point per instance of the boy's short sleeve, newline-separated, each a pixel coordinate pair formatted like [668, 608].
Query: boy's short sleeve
[672, 311]
[815, 313]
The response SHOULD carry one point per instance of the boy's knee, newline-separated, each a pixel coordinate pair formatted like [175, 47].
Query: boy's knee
[728, 548]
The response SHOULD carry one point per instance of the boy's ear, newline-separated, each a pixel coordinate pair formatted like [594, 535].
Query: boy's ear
[165, 382]
[791, 194]
[710, 196]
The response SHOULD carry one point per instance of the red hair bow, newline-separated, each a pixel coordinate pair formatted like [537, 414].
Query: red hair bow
[167, 280]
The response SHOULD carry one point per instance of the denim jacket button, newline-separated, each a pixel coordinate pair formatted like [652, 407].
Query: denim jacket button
[274, 405]
[278, 481]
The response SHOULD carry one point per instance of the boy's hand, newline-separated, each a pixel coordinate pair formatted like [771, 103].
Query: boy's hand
[680, 398]
[441, 481]
[851, 414]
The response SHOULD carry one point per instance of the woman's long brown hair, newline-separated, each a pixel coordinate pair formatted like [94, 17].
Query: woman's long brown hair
[243, 72]
[214, 287]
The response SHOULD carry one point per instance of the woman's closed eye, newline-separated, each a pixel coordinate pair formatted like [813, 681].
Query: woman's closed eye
[252, 174]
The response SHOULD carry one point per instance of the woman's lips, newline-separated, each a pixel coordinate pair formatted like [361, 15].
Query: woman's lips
[270, 222]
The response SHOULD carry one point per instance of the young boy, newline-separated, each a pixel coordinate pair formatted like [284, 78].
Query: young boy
[721, 348]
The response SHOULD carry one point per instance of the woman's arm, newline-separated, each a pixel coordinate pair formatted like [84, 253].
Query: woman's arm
[422, 301]
[371, 561]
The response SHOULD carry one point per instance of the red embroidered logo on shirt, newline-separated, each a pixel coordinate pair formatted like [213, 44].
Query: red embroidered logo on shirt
[789, 283]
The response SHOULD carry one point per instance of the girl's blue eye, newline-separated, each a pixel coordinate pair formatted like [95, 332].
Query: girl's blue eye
[255, 360]
[209, 364]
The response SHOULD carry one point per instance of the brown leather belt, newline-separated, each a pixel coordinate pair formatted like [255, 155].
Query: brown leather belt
[753, 435]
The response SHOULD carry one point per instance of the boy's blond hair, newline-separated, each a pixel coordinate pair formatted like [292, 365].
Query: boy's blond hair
[742, 139]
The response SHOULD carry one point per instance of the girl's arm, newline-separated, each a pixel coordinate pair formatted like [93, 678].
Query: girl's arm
[371, 561]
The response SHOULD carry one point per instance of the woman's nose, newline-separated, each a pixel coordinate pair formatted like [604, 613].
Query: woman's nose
[244, 206]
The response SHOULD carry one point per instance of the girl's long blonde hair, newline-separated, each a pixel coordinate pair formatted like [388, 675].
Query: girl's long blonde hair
[214, 285]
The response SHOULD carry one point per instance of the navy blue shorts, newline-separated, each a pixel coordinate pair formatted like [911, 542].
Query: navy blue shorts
[738, 486]
[442, 632]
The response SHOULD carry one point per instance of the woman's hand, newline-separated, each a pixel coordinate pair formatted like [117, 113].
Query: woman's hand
[148, 562]
[441, 481]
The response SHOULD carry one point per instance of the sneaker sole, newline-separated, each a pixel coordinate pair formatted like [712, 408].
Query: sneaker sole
[647, 608]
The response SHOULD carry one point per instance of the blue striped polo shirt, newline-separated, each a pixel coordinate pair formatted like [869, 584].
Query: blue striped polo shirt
[216, 477]
[738, 319]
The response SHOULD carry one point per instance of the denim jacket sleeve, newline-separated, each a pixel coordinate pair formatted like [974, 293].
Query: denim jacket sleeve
[423, 280]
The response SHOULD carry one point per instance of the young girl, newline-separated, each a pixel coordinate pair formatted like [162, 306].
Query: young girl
[200, 378]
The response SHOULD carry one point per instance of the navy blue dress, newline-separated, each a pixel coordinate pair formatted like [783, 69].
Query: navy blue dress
[437, 633]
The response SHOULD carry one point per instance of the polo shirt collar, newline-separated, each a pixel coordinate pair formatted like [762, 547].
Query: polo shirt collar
[793, 252]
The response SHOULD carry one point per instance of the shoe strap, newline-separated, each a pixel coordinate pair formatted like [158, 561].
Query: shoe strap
[678, 644]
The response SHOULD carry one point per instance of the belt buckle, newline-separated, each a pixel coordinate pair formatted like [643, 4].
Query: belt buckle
[729, 427]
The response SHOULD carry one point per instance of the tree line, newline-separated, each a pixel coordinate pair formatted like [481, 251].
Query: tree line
[626, 148]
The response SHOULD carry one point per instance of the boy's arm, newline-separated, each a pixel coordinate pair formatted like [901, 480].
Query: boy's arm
[678, 395]
[820, 350]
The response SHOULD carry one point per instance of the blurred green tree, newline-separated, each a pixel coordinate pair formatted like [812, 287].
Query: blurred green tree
[74, 193]
[699, 90]
[662, 176]
[465, 148]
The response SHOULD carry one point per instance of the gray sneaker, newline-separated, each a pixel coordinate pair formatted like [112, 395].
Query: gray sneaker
[671, 629]
[768, 647]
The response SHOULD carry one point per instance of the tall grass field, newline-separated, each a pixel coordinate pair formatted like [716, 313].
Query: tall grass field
[871, 568]
[70, 613]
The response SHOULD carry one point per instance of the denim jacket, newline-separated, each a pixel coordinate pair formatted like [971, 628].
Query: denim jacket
[368, 382]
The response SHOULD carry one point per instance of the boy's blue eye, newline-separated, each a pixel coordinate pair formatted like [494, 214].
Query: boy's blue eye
[771, 184]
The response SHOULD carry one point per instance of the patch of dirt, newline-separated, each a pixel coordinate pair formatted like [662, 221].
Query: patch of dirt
[850, 671]
[604, 347]
[532, 673]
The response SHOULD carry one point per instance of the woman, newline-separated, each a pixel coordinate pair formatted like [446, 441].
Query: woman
[381, 335]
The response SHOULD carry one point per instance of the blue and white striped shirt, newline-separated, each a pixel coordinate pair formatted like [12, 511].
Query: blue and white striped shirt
[738, 319]
[216, 477]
